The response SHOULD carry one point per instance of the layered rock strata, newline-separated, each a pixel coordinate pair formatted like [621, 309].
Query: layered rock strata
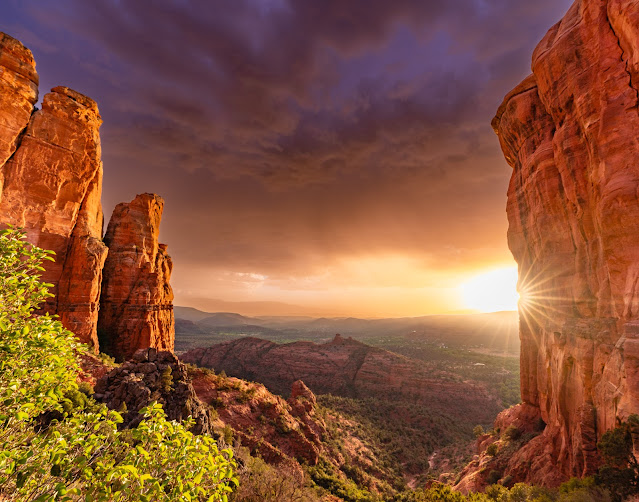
[569, 131]
[136, 309]
[51, 185]
[52, 188]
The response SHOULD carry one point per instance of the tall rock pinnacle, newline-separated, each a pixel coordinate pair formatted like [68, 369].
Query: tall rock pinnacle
[136, 309]
[51, 186]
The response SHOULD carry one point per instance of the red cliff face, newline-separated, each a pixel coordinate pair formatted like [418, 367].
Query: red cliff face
[569, 131]
[18, 93]
[136, 309]
[51, 185]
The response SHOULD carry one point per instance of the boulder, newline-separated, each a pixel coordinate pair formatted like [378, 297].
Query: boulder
[153, 376]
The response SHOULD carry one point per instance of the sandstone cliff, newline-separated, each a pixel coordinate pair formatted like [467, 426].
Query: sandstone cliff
[18, 94]
[51, 185]
[569, 132]
[136, 309]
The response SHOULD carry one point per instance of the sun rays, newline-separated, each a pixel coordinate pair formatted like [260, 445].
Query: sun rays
[491, 291]
[543, 297]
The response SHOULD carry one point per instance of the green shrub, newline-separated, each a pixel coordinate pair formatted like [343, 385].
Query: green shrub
[56, 442]
[217, 403]
[86, 388]
[228, 434]
[493, 477]
[512, 433]
[492, 449]
[107, 359]
[620, 470]
[166, 378]
[478, 431]
[242, 398]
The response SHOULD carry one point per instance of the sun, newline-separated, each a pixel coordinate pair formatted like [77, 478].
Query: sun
[491, 291]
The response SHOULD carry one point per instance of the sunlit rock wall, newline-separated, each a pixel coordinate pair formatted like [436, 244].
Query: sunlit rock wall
[570, 132]
[51, 185]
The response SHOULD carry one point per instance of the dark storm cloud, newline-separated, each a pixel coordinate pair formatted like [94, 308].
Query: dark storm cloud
[284, 134]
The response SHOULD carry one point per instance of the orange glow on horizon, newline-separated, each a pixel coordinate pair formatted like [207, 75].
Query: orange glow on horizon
[366, 287]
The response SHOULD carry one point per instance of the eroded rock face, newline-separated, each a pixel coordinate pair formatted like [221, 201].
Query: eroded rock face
[136, 309]
[52, 188]
[51, 185]
[18, 94]
[569, 132]
[281, 432]
[153, 376]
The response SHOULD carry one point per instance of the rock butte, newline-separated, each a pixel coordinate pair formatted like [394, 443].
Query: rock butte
[51, 185]
[348, 368]
[136, 309]
[569, 131]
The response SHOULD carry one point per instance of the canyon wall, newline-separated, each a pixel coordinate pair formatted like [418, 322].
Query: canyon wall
[51, 186]
[570, 132]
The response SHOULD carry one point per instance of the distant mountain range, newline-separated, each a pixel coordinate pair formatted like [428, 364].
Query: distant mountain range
[497, 332]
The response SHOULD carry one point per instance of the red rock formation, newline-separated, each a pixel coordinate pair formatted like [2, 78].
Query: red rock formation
[153, 376]
[349, 368]
[18, 94]
[569, 132]
[136, 309]
[263, 422]
[51, 184]
[52, 187]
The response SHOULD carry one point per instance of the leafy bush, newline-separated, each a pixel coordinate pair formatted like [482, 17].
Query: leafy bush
[260, 482]
[512, 433]
[56, 443]
[167, 379]
[228, 435]
[492, 449]
[620, 471]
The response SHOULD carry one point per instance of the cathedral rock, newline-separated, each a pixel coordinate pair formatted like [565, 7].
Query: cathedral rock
[51, 185]
[570, 132]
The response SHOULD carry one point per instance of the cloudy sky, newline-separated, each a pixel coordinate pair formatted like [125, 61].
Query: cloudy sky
[334, 155]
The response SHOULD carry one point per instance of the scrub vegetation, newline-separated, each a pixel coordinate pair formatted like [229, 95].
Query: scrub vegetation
[56, 442]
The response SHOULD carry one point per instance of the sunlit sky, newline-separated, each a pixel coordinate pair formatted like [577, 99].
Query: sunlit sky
[316, 157]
